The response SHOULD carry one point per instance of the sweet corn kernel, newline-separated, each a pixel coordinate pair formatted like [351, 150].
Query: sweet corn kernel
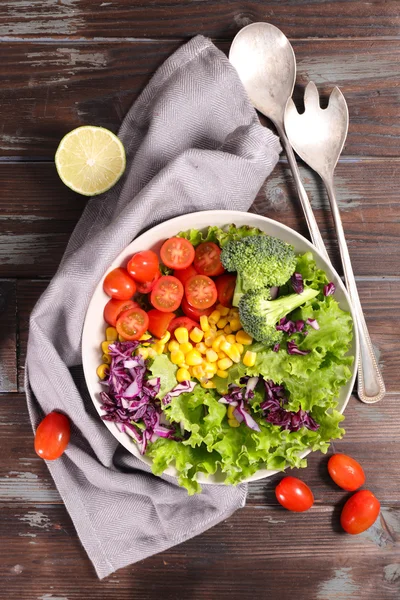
[210, 369]
[208, 340]
[214, 317]
[193, 358]
[159, 347]
[222, 374]
[173, 345]
[102, 371]
[225, 346]
[233, 354]
[221, 354]
[231, 338]
[182, 375]
[152, 353]
[204, 324]
[224, 364]
[227, 329]
[121, 338]
[186, 347]
[240, 347]
[196, 335]
[213, 328]
[106, 358]
[211, 355]
[223, 310]
[244, 338]
[249, 359]
[230, 411]
[177, 357]
[235, 324]
[233, 423]
[201, 347]
[233, 312]
[184, 366]
[223, 321]
[197, 371]
[208, 384]
[104, 347]
[216, 344]
[111, 334]
[182, 335]
[165, 338]
[143, 352]
[145, 336]
[220, 333]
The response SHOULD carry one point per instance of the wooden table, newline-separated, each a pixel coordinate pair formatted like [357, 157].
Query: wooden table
[65, 63]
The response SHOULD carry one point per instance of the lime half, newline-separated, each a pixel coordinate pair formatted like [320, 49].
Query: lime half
[90, 160]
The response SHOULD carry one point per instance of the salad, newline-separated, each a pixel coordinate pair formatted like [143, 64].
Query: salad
[224, 352]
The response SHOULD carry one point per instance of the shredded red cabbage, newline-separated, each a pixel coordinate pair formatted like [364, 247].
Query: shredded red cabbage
[181, 388]
[290, 326]
[276, 348]
[276, 414]
[329, 289]
[131, 401]
[297, 283]
[292, 348]
[313, 323]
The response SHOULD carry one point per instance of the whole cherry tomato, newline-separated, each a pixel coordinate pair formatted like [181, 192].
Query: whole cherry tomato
[360, 512]
[118, 284]
[184, 274]
[143, 266]
[294, 494]
[346, 472]
[52, 436]
[147, 286]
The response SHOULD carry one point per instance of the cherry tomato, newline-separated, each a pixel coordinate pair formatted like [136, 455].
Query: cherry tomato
[182, 322]
[114, 308]
[346, 472]
[195, 313]
[225, 285]
[184, 274]
[207, 259]
[52, 436]
[360, 512]
[143, 266]
[159, 321]
[118, 284]
[147, 286]
[167, 293]
[200, 291]
[177, 253]
[294, 494]
[132, 323]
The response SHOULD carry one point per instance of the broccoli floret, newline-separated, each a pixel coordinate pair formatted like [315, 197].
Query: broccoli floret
[259, 315]
[260, 261]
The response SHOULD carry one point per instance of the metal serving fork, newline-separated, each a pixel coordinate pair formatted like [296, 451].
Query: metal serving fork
[318, 136]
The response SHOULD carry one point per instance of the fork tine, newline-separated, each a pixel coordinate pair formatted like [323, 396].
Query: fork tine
[311, 96]
[291, 107]
[337, 98]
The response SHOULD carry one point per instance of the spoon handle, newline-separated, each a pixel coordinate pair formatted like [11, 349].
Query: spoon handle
[370, 385]
[312, 224]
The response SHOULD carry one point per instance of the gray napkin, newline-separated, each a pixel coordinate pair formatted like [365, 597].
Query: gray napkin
[193, 142]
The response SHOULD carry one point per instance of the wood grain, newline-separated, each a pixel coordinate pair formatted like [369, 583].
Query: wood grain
[62, 86]
[8, 337]
[124, 18]
[38, 214]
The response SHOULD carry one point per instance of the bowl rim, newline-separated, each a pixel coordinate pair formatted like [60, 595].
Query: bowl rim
[173, 223]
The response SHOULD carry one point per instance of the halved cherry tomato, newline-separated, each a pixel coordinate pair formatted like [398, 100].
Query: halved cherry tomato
[200, 291]
[177, 253]
[294, 494]
[207, 259]
[225, 285]
[195, 313]
[182, 322]
[184, 274]
[159, 321]
[147, 286]
[132, 323]
[346, 472]
[52, 436]
[167, 293]
[118, 284]
[114, 308]
[360, 512]
[143, 266]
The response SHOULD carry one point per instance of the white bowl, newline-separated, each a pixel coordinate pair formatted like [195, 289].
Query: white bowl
[93, 330]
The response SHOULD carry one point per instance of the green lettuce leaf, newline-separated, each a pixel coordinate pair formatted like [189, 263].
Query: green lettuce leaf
[219, 235]
[163, 368]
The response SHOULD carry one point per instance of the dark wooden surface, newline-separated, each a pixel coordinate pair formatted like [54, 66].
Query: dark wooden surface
[70, 62]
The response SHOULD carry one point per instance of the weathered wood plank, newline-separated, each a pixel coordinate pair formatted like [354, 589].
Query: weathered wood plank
[123, 18]
[273, 554]
[8, 337]
[61, 86]
[372, 437]
[38, 214]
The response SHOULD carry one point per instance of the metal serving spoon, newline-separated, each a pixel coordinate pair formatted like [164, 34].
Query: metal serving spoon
[318, 137]
[265, 61]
